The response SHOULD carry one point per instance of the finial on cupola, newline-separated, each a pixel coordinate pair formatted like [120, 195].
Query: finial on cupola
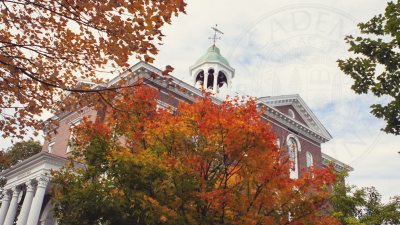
[216, 32]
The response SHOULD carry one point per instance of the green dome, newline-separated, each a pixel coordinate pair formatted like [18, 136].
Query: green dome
[213, 55]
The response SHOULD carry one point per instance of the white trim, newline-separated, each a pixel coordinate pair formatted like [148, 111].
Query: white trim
[302, 108]
[285, 128]
[50, 146]
[73, 124]
[295, 125]
[39, 164]
[338, 164]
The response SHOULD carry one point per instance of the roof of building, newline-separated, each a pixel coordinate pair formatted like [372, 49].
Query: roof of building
[299, 104]
[213, 54]
[339, 165]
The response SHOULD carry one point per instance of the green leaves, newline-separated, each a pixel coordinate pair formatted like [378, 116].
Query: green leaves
[18, 152]
[363, 206]
[376, 64]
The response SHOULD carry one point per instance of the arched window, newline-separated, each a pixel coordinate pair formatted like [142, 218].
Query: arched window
[210, 79]
[199, 79]
[278, 143]
[293, 145]
[221, 79]
[310, 160]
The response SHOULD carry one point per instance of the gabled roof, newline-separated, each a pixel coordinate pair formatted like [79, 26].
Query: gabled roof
[301, 107]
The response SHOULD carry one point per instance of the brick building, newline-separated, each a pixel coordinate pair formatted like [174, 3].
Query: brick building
[295, 125]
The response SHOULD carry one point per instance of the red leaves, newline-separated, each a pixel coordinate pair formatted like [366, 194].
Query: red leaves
[220, 161]
[168, 69]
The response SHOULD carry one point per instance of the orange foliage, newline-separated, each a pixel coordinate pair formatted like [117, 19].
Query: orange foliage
[46, 46]
[220, 160]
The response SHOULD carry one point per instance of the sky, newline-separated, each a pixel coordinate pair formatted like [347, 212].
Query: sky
[291, 47]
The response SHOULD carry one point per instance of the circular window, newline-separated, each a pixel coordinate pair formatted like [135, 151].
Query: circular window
[291, 113]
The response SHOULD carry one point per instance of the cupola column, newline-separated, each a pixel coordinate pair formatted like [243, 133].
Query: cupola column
[215, 84]
[205, 79]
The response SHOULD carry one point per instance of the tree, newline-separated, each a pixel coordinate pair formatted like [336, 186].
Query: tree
[46, 46]
[202, 163]
[375, 68]
[4, 161]
[363, 206]
[18, 152]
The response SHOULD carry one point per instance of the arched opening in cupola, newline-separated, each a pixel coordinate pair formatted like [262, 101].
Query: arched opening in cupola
[199, 79]
[222, 79]
[210, 79]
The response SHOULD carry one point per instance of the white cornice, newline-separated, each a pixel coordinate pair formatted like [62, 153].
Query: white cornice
[40, 164]
[340, 166]
[305, 112]
[294, 125]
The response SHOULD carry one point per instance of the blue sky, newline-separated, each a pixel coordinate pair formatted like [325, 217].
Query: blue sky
[288, 47]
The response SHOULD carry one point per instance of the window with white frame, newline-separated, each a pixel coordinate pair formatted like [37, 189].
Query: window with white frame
[50, 147]
[278, 143]
[72, 135]
[293, 149]
[310, 160]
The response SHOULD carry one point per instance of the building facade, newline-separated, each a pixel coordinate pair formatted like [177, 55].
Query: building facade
[26, 197]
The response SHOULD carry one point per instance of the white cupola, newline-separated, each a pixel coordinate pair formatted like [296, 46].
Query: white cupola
[212, 71]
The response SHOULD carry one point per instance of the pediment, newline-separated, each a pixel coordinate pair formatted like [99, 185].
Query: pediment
[294, 108]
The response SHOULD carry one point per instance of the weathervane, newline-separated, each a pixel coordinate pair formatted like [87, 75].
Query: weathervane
[216, 31]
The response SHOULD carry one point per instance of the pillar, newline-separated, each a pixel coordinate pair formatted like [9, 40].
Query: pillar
[215, 85]
[26, 206]
[38, 200]
[12, 210]
[205, 79]
[5, 203]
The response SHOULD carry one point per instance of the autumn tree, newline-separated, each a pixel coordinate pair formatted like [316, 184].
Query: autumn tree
[375, 66]
[47, 46]
[203, 163]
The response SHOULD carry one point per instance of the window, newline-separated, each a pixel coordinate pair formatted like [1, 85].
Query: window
[293, 145]
[278, 143]
[72, 135]
[310, 161]
[50, 147]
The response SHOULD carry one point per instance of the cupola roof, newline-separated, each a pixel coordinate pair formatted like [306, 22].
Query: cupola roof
[213, 55]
